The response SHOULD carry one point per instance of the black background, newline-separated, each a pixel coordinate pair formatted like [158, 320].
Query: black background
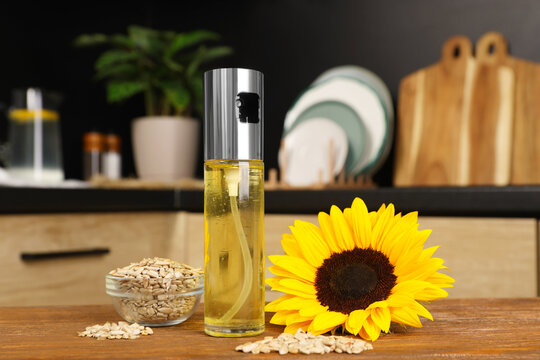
[290, 41]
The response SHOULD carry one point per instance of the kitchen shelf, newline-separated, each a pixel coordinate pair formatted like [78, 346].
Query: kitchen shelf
[512, 201]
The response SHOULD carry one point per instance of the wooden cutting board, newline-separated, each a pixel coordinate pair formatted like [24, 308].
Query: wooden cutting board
[525, 154]
[433, 107]
[489, 131]
[454, 121]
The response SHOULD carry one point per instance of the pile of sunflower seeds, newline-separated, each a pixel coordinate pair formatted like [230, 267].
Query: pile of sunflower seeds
[154, 297]
[305, 343]
[112, 331]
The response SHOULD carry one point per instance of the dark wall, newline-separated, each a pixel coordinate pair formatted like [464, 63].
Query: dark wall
[290, 41]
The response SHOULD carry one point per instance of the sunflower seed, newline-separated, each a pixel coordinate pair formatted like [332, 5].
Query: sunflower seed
[305, 343]
[158, 296]
[113, 331]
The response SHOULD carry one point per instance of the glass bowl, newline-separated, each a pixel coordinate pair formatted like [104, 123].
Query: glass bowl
[155, 301]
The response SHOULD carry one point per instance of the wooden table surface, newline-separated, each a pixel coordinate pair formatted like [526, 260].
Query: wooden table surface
[473, 328]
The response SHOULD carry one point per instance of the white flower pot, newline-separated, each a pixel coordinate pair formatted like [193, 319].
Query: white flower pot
[165, 147]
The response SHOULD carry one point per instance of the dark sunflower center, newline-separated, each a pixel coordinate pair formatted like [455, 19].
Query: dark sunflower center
[354, 279]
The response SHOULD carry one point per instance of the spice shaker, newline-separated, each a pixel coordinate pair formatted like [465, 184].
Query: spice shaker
[233, 203]
[112, 157]
[92, 150]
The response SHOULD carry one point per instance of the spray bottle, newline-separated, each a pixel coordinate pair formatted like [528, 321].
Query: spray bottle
[233, 203]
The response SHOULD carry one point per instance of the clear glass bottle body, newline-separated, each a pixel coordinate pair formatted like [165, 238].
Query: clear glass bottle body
[234, 247]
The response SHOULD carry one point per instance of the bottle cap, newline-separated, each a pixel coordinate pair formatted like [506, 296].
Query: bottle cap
[112, 143]
[233, 114]
[93, 141]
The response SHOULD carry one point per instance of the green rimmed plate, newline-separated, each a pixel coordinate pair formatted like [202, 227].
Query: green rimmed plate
[347, 119]
[367, 104]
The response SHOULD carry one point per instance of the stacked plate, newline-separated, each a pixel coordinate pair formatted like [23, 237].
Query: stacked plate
[343, 122]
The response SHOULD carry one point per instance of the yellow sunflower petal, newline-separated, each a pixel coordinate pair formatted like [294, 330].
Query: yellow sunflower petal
[410, 287]
[275, 284]
[297, 318]
[411, 217]
[399, 300]
[421, 310]
[421, 270]
[363, 334]
[381, 317]
[296, 266]
[396, 235]
[290, 246]
[371, 329]
[381, 225]
[310, 240]
[298, 285]
[295, 303]
[442, 280]
[312, 310]
[279, 271]
[280, 317]
[293, 328]
[347, 214]
[397, 249]
[427, 253]
[342, 229]
[328, 232]
[361, 224]
[273, 306]
[374, 215]
[406, 316]
[431, 293]
[326, 321]
[355, 321]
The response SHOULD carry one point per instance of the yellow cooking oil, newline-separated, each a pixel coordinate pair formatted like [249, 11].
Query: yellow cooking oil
[234, 247]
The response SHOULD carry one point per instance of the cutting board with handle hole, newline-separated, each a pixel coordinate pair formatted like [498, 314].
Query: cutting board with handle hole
[488, 148]
[452, 121]
[432, 108]
[525, 154]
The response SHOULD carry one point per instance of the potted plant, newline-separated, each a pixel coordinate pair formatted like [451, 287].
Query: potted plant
[163, 66]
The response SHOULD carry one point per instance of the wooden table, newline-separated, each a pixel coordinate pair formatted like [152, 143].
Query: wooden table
[474, 329]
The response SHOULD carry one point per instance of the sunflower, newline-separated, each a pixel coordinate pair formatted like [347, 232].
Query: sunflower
[360, 270]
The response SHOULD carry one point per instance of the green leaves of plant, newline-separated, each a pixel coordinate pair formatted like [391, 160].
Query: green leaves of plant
[121, 90]
[176, 93]
[182, 41]
[90, 40]
[205, 54]
[162, 64]
[112, 57]
[144, 38]
[123, 70]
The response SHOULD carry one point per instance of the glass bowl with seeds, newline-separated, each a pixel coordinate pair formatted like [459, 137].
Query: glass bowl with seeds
[155, 291]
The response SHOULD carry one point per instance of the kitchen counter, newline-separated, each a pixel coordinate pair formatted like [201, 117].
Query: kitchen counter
[484, 201]
[474, 328]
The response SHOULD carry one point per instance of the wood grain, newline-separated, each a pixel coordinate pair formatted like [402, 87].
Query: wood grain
[487, 257]
[491, 116]
[526, 110]
[433, 111]
[77, 280]
[456, 119]
[478, 329]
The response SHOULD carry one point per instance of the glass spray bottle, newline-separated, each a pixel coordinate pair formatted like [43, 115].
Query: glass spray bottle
[233, 203]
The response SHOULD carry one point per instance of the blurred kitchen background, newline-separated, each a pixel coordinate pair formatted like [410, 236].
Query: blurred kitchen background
[291, 42]
[464, 107]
